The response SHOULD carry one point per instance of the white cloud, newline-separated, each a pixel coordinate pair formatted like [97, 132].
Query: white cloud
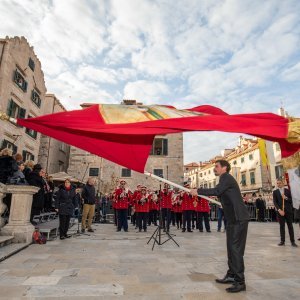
[90, 73]
[147, 92]
[292, 73]
[72, 91]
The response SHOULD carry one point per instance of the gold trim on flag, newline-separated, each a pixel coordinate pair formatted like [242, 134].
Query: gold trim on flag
[293, 131]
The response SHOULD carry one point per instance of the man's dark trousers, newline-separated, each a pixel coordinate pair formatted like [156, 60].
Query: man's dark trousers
[236, 234]
[288, 218]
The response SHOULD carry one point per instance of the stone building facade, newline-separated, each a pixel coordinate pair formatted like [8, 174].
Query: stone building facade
[53, 154]
[165, 159]
[22, 95]
[168, 163]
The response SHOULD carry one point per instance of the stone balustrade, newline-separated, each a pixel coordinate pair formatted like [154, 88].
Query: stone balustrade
[19, 225]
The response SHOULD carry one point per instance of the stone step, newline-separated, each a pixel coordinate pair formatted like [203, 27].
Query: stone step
[5, 240]
[11, 249]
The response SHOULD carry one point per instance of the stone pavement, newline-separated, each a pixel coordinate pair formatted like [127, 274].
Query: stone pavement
[110, 265]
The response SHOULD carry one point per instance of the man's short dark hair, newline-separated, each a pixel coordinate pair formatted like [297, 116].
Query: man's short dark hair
[224, 163]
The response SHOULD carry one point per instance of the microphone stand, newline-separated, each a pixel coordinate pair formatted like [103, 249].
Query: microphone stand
[157, 234]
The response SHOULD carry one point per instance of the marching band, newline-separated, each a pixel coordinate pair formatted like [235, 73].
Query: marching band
[145, 205]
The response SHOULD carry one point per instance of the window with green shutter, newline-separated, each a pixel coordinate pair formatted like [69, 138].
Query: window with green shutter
[20, 81]
[36, 99]
[159, 147]
[31, 132]
[9, 145]
[31, 64]
[125, 172]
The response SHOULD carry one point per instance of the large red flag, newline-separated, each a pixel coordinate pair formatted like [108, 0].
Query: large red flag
[124, 133]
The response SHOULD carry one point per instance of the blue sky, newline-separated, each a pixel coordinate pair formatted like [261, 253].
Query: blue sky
[242, 56]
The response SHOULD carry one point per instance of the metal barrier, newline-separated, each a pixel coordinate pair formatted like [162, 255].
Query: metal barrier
[252, 212]
[270, 213]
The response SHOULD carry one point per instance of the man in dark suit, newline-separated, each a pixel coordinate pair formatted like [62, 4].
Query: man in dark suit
[282, 199]
[237, 217]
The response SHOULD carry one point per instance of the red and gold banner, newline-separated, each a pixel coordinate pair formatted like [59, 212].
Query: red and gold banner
[124, 133]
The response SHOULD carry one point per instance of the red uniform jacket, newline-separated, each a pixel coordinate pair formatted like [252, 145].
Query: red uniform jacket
[122, 199]
[153, 205]
[187, 202]
[202, 205]
[166, 199]
[142, 203]
[177, 205]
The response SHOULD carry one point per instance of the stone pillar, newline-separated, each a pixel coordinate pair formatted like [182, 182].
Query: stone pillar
[2, 205]
[19, 224]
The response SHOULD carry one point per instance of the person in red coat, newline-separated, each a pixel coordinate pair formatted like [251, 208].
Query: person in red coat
[166, 205]
[187, 210]
[153, 208]
[203, 210]
[134, 212]
[177, 208]
[143, 209]
[122, 199]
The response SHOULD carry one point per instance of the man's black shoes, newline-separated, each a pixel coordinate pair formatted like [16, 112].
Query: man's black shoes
[226, 279]
[281, 244]
[294, 244]
[237, 287]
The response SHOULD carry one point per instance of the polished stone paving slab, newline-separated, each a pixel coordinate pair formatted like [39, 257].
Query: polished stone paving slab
[118, 265]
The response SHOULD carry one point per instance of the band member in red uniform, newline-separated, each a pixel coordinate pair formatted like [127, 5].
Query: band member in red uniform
[202, 210]
[187, 210]
[122, 199]
[143, 209]
[177, 208]
[153, 208]
[134, 205]
[166, 205]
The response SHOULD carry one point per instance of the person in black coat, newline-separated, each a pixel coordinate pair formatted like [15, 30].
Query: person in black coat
[35, 178]
[89, 199]
[283, 203]
[8, 165]
[237, 218]
[261, 207]
[65, 205]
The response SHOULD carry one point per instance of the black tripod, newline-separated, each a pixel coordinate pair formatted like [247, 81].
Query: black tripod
[157, 234]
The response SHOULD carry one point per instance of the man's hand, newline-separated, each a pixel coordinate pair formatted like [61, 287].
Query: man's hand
[194, 192]
[56, 209]
[281, 212]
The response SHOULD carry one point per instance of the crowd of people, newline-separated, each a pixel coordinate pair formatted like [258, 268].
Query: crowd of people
[179, 209]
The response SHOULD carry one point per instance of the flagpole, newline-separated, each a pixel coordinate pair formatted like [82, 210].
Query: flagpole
[179, 186]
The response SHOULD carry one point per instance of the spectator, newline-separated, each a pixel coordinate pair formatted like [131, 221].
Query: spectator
[220, 218]
[89, 199]
[35, 178]
[18, 177]
[8, 165]
[50, 194]
[47, 199]
[261, 208]
[28, 168]
[64, 205]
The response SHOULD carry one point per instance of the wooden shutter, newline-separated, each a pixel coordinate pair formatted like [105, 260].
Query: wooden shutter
[21, 113]
[24, 155]
[10, 107]
[165, 146]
